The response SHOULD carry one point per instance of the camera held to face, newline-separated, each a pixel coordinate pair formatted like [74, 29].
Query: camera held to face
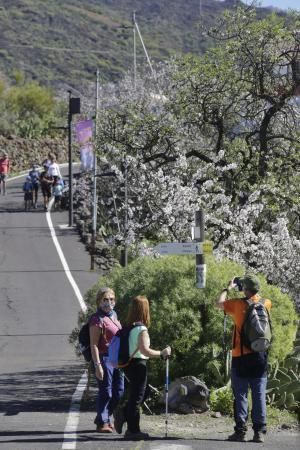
[238, 282]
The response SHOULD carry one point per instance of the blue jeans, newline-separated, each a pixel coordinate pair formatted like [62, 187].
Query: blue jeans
[110, 391]
[240, 386]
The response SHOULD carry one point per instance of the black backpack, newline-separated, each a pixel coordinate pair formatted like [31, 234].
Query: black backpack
[84, 342]
[118, 349]
[256, 333]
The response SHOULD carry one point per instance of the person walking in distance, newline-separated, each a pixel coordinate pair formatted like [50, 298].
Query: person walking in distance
[103, 325]
[57, 192]
[35, 179]
[46, 185]
[249, 368]
[136, 371]
[4, 171]
[53, 169]
[28, 190]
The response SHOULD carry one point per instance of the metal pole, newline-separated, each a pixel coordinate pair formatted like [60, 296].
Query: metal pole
[94, 206]
[145, 50]
[200, 263]
[167, 396]
[70, 164]
[134, 50]
[126, 215]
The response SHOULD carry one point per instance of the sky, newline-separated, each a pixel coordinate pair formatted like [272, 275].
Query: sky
[282, 4]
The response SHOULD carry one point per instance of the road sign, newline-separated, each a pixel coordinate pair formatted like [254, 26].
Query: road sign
[179, 248]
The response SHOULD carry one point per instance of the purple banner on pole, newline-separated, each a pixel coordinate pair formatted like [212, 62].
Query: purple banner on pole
[84, 131]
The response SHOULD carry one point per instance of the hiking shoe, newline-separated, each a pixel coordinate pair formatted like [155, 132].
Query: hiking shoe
[139, 436]
[258, 437]
[119, 419]
[104, 428]
[237, 437]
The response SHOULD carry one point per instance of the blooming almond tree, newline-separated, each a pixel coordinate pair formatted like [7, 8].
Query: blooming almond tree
[217, 132]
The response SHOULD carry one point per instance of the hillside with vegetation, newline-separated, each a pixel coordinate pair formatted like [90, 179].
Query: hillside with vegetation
[61, 43]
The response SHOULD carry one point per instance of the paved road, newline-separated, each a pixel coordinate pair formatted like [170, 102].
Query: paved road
[38, 370]
[38, 310]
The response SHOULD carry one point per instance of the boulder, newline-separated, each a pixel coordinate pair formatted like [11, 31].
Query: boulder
[188, 395]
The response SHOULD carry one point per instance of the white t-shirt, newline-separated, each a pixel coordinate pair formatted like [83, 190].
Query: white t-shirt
[53, 170]
[133, 341]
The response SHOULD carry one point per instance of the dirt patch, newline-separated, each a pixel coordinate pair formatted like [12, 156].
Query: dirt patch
[191, 425]
[201, 425]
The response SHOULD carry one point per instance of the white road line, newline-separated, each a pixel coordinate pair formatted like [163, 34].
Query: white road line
[164, 446]
[70, 436]
[63, 260]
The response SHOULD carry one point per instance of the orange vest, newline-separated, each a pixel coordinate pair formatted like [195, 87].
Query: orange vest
[236, 308]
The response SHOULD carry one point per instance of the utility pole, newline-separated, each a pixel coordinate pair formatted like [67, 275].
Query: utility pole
[124, 253]
[74, 108]
[199, 237]
[95, 205]
[70, 163]
[134, 50]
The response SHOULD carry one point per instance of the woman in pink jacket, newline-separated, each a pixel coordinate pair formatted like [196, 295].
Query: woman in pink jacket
[4, 169]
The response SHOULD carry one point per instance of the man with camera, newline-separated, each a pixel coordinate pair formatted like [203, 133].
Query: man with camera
[249, 367]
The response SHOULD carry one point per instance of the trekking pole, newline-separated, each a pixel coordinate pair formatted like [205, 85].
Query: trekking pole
[167, 396]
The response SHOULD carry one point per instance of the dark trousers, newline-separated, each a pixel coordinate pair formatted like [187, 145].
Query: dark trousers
[136, 373]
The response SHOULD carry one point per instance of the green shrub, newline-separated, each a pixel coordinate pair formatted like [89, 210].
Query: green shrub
[185, 317]
[221, 400]
[28, 109]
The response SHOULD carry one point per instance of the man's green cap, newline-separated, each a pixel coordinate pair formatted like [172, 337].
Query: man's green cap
[251, 282]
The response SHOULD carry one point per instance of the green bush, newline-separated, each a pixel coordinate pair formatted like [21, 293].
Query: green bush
[221, 400]
[185, 317]
[28, 109]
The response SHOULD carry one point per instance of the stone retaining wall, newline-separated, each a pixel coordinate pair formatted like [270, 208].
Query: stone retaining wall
[24, 152]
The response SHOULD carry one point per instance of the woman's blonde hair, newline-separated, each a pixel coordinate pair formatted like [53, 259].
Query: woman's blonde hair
[139, 311]
[100, 294]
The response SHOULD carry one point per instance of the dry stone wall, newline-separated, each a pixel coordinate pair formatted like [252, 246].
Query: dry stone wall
[24, 152]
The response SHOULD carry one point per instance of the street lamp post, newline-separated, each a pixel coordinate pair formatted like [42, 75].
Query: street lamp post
[124, 252]
[74, 108]
[94, 206]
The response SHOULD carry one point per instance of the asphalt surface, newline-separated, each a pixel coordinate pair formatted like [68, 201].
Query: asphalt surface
[39, 372]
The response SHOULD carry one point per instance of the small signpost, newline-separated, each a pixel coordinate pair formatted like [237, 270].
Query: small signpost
[179, 248]
[198, 248]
